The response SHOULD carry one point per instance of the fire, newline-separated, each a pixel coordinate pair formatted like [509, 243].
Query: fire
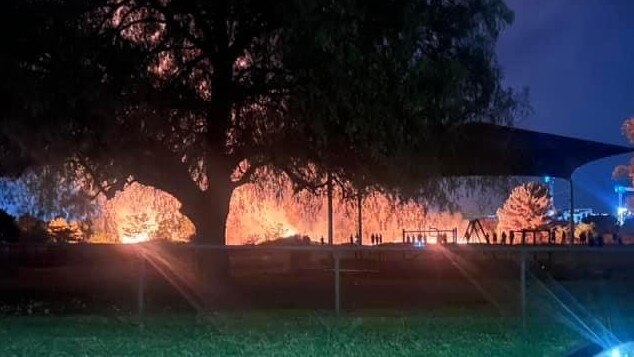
[134, 239]
[141, 213]
[258, 215]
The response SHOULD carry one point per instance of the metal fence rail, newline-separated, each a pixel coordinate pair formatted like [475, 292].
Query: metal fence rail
[521, 254]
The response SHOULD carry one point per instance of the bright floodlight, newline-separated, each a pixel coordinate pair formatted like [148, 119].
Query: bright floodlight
[623, 350]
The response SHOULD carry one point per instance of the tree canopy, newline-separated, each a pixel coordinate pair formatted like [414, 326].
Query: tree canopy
[197, 98]
[527, 207]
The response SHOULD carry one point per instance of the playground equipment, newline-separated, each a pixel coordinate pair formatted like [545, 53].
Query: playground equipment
[475, 229]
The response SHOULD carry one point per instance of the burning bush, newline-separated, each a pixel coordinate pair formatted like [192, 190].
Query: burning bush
[140, 213]
[60, 230]
[527, 207]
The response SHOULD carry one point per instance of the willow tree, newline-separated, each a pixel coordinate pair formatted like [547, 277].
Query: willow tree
[197, 98]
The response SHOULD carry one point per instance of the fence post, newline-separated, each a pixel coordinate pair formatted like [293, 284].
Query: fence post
[141, 291]
[523, 287]
[336, 259]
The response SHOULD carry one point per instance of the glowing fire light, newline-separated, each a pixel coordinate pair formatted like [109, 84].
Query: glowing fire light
[137, 238]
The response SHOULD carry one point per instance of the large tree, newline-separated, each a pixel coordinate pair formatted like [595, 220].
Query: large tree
[527, 207]
[198, 97]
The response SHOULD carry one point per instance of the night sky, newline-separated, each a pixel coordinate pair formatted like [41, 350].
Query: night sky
[577, 59]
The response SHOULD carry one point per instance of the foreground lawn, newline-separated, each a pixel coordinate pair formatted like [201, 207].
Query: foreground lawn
[283, 334]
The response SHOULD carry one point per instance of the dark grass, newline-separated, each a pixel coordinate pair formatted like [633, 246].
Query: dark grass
[285, 333]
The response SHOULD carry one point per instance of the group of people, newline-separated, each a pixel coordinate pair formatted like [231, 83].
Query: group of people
[598, 240]
[510, 238]
[422, 238]
[504, 239]
[584, 238]
[375, 239]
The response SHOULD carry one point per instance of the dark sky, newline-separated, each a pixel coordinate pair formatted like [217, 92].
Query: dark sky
[577, 59]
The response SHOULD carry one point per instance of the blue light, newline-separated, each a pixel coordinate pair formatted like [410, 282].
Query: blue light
[547, 179]
[622, 350]
[619, 189]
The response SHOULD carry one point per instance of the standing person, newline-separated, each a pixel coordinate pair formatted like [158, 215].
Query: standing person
[563, 237]
[351, 240]
[599, 240]
[583, 237]
[380, 238]
[503, 237]
[322, 240]
[618, 239]
[495, 238]
[372, 239]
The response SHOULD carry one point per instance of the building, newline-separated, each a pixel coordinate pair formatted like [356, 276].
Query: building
[578, 215]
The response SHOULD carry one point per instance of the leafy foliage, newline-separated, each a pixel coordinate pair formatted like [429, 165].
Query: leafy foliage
[46, 193]
[62, 231]
[197, 98]
[527, 207]
[142, 210]
[626, 171]
[32, 230]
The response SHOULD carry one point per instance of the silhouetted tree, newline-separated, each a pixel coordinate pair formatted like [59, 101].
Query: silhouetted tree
[626, 171]
[198, 97]
[9, 230]
[32, 230]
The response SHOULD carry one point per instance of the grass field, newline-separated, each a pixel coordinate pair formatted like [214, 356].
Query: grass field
[284, 333]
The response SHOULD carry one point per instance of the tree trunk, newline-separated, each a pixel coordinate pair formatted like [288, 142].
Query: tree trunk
[209, 213]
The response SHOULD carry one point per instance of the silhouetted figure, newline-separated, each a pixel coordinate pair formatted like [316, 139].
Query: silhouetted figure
[380, 238]
[322, 240]
[511, 237]
[372, 238]
[563, 237]
[617, 239]
[351, 239]
[503, 236]
[583, 238]
[495, 238]
[599, 239]
[551, 236]
[425, 239]
[486, 238]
